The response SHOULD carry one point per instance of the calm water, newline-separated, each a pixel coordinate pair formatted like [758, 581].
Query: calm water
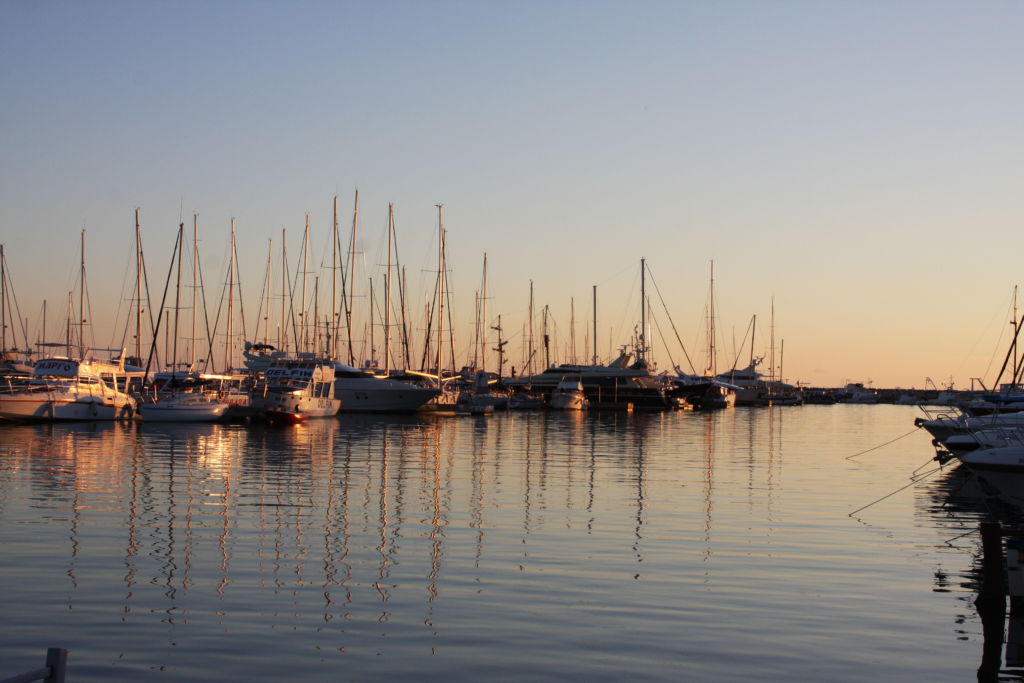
[519, 546]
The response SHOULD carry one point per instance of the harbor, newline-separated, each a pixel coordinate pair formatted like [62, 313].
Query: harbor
[517, 545]
[511, 341]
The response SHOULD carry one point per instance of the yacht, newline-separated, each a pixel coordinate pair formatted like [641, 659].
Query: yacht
[291, 392]
[617, 385]
[569, 395]
[65, 389]
[362, 391]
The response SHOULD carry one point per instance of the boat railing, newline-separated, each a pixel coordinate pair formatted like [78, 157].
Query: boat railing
[941, 412]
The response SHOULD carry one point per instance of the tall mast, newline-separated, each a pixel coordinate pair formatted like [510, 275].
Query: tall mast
[572, 330]
[547, 338]
[440, 290]
[177, 302]
[71, 315]
[529, 349]
[270, 285]
[753, 334]
[406, 356]
[1014, 345]
[642, 351]
[373, 349]
[334, 283]
[138, 288]
[231, 299]
[3, 301]
[81, 304]
[387, 292]
[302, 302]
[282, 330]
[772, 375]
[352, 278]
[711, 323]
[595, 324]
[483, 318]
[195, 285]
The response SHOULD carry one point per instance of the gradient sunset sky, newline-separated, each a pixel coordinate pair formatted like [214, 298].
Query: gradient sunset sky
[859, 162]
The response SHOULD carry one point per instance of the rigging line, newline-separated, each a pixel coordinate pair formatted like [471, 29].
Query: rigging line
[889, 495]
[671, 322]
[664, 341]
[850, 457]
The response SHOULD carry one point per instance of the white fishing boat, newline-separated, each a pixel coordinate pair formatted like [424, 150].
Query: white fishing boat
[855, 392]
[184, 407]
[64, 389]
[569, 395]
[294, 391]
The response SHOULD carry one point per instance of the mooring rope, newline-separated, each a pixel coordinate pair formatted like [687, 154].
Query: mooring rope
[915, 479]
[875, 448]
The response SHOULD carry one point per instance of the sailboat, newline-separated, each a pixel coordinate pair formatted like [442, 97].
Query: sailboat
[62, 388]
[180, 396]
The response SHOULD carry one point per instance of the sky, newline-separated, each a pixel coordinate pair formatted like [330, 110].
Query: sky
[855, 165]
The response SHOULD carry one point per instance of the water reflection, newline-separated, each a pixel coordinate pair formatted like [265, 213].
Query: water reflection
[450, 544]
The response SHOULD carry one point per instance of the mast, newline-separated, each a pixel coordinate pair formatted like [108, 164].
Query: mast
[529, 348]
[440, 290]
[177, 303]
[304, 335]
[753, 333]
[138, 288]
[1015, 323]
[387, 292]
[71, 315]
[269, 289]
[282, 330]
[711, 324]
[595, 324]
[572, 330]
[642, 351]
[405, 328]
[500, 348]
[772, 355]
[483, 318]
[81, 304]
[195, 286]
[334, 283]
[547, 337]
[352, 279]
[3, 301]
[231, 299]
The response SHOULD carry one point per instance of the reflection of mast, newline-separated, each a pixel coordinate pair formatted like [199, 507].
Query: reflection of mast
[383, 547]
[709, 483]
[436, 525]
[640, 472]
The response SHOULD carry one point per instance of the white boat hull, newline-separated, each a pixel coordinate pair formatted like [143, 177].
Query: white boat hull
[568, 401]
[154, 412]
[29, 407]
[380, 396]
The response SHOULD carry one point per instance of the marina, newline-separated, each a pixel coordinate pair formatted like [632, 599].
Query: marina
[511, 342]
[713, 545]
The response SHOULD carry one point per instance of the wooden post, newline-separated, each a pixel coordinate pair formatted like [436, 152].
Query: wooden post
[991, 601]
[993, 578]
[57, 661]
